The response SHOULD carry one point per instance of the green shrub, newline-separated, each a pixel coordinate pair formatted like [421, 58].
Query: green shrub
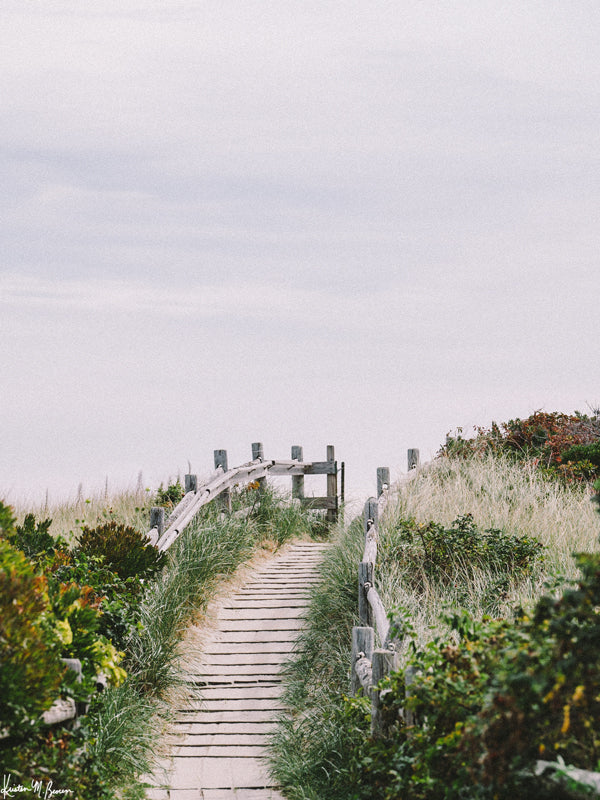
[583, 452]
[126, 551]
[542, 439]
[169, 497]
[59, 762]
[33, 539]
[30, 668]
[426, 552]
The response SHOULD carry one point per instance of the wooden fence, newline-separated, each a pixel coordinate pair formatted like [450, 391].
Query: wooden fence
[370, 664]
[165, 530]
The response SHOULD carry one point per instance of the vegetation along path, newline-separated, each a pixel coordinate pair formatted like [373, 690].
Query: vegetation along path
[221, 750]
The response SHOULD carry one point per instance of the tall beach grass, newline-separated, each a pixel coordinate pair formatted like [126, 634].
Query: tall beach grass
[311, 746]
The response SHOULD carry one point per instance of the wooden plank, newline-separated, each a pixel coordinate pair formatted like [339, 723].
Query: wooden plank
[208, 491]
[219, 716]
[256, 637]
[261, 625]
[249, 648]
[237, 670]
[253, 692]
[257, 612]
[320, 503]
[233, 728]
[236, 704]
[293, 468]
[379, 613]
[221, 751]
[241, 659]
[220, 773]
[247, 605]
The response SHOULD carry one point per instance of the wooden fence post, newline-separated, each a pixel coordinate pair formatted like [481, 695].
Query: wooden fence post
[221, 461]
[413, 459]
[409, 677]
[363, 641]
[191, 483]
[365, 579]
[157, 519]
[384, 662]
[383, 480]
[258, 452]
[297, 480]
[371, 514]
[332, 513]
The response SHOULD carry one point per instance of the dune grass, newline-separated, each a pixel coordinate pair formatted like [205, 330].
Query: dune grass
[311, 748]
[129, 506]
[210, 549]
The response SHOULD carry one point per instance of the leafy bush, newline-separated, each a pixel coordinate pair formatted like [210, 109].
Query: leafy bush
[543, 439]
[126, 551]
[169, 497]
[60, 761]
[30, 668]
[438, 551]
[33, 539]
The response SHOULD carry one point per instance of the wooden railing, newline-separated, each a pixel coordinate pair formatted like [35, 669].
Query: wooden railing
[371, 664]
[166, 530]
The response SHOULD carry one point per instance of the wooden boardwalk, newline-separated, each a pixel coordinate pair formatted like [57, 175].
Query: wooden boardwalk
[223, 730]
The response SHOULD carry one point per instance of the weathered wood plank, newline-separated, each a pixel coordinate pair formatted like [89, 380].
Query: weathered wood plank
[234, 728]
[258, 613]
[249, 648]
[236, 704]
[379, 613]
[320, 503]
[238, 670]
[251, 692]
[249, 605]
[221, 751]
[220, 716]
[363, 642]
[256, 637]
[220, 773]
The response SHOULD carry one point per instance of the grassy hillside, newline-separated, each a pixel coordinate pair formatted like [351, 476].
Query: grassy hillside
[466, 542]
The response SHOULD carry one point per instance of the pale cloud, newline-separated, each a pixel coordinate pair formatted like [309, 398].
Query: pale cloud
[231, 301]
[210, 209]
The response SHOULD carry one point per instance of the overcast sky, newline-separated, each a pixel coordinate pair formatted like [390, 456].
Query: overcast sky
[351, 223]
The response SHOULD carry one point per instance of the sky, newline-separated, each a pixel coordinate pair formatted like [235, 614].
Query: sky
[302, 223]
